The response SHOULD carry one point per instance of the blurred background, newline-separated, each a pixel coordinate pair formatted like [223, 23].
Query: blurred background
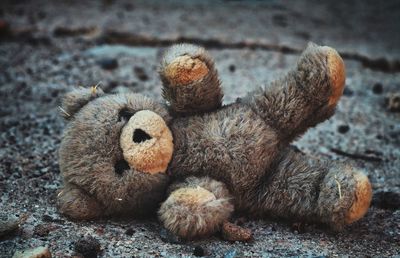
[48, 47]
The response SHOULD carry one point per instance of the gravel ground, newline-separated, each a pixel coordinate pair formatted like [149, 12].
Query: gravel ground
[46, 48]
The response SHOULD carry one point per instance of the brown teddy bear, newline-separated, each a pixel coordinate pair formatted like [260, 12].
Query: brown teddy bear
[121, 154]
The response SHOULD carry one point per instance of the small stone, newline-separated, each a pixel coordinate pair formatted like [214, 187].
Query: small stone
[88, 247]
[377, 88]
[38, 252]
[393, 102]
[168, 237]
[199, 251]
[100, 230]
[140, 73]
[129, 231]
[232, 232]
[48, 218]
[348, 92]
[298, 227]
[343, 129]
[108, 63]
[232, 68]
[43, 230]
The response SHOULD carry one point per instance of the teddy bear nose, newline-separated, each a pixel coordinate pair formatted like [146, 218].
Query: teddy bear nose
[140, 136]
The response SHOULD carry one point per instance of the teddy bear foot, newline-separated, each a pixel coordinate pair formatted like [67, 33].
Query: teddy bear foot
[363, 195]
[193, 212]
[190, 80]
[344, 197]
[337, 74]
[185, 69]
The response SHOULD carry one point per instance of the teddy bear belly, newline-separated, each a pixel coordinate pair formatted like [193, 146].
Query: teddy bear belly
[233, 145]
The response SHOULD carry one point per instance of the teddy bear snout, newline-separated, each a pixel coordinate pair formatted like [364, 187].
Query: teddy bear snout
[146, 142]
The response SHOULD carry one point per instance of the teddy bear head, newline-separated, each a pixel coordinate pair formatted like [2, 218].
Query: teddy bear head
[116, 148]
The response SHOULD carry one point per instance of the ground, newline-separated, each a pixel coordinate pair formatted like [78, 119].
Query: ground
[47, 48]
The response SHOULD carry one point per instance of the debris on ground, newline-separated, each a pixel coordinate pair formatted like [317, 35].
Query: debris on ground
[88, 247]
[232, 232]
[393, 102]
[38, 252]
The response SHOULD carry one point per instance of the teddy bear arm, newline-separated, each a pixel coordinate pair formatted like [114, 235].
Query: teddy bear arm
[196, 207]
[190, 80]
[304, 97]
[76, 204]
[304, 189]
[75, 99]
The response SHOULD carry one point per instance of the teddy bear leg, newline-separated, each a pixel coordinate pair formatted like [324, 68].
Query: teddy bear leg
[190, 80]
[76, 204]
[302, 188]
[345, 196]
[306, 96]
[196, 207]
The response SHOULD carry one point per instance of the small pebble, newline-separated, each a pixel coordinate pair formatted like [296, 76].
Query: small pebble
[140, 73]
[43, 230]
[232, 68]
[393, 102]
[348, 92]
[168, 237]
[88, 247]
[298, 227]
[129, 231]
[343, 129]
[199, 251]
[38, 252]
[48, 218]
[108, 63]
[377, 88]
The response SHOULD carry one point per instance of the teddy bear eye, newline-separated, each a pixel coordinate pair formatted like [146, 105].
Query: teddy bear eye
[125, 114]
[121, 166]
[140, 136]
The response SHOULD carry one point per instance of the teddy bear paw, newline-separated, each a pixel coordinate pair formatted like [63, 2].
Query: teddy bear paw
[190, 80]
[184, 70]
[363, 195]
[337, 74]
[193, 212]
[185, 64]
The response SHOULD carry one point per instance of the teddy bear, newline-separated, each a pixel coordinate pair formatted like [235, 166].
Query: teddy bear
[197, 160]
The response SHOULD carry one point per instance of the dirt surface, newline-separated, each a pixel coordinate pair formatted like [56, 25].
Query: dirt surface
[47, 48]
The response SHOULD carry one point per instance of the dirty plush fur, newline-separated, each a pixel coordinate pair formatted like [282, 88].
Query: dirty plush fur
[224, 158]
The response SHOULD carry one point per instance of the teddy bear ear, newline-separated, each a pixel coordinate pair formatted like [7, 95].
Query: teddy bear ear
[74, 100]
